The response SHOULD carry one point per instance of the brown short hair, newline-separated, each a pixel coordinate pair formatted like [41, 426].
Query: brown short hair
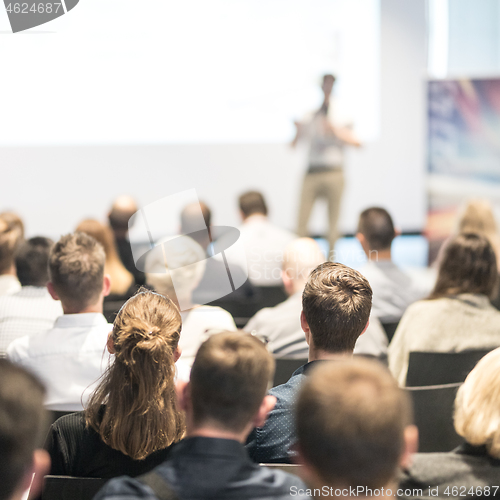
[229, 379]
[252, 202]
[22, 419]
[32, 260]
[376, 225]
[76, 269]
[351, 417]
[469, 265]
[336, 302]
[11, 236]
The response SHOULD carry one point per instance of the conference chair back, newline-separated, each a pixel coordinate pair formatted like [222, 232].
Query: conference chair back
[71, 488]
[437, 368]
[390, 329]
[433, 413]
[285, 368]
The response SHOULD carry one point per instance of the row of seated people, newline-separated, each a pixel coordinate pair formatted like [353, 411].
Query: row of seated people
[33, 309]
[78, 284]
[353, 424]
[467, 280]
[468, 267]
[460, 302]
[264, 247]
[263, 244]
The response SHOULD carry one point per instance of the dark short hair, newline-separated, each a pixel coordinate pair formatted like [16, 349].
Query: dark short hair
[76, 269]
[252, 202]
[32, 261]
[469, 265]
[376, 225]
[119, 218]
[329, 76]
[229, 379]
[11, 236]
[351, 418]
[22, 419]
[336, 302]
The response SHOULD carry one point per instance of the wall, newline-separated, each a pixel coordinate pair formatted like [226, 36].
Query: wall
[474, 38]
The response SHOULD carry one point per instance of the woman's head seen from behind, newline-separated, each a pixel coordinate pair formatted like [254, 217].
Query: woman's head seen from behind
[478, 217]
[468, 266]
[121, 279]
[141, 414]
[477, 405]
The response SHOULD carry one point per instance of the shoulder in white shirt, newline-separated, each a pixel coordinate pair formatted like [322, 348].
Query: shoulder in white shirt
[264, 245]
[28, 311]
[9, 284]
[198, 324]
[68, 358]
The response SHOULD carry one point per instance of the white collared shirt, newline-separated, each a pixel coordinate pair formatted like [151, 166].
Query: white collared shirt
[197, 325]
[69, 358]
[9, 284]
[31, 310]
[264, 245]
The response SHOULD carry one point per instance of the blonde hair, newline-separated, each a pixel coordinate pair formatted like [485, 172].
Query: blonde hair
[11, 237]
[477, 405]
[141, 414]
[478, 217]
[121, 279]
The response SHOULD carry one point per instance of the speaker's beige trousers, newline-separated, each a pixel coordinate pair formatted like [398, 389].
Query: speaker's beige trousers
[330, 185]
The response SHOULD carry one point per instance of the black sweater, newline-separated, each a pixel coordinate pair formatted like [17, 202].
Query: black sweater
[76, 450]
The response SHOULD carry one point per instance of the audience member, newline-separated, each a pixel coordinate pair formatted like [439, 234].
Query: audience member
[393, 289]
[264, 243]
[224, 400]
[69, 358]
[473, 468]
[132, 417]
[122, 281]
[122, 209]
[336, 306]
[478, 217]
[215, 282]
[22, 420]
[280, 325]
[32, 309]
[354, 432]
[458, 314]
[174, 268]
[12, 219]
[11, 235]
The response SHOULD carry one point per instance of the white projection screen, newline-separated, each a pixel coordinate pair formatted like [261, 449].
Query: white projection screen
[151, 97]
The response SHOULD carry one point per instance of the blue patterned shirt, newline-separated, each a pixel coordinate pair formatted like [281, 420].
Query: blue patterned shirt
[274, 442]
